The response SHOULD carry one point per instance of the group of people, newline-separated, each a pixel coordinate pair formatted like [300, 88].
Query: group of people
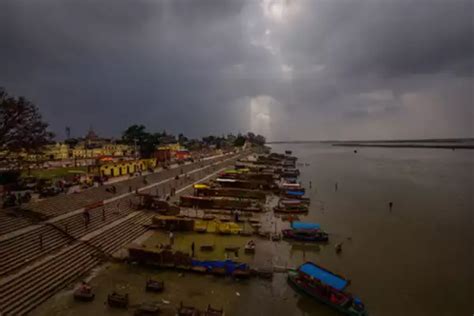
[13, 199]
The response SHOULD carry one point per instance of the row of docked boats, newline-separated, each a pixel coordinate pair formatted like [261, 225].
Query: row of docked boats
[85, 293]
[310, 278]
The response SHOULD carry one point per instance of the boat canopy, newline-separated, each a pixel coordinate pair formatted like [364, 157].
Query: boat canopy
[201, 186]
[291, 185]
[290, 201]
[231, 171]
[305, 225]
[325, 276]
[293, 193]
[225, 180]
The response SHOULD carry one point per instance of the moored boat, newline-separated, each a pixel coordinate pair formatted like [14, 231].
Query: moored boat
[291, 209]
[250, 247]
[210, 311]
[326, 287]
[314, 235]
[187, 310]
[154, 286]
[84, 293]
[147, 309]
[117, 300]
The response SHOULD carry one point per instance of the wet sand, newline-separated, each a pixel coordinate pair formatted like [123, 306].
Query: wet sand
[414, 260]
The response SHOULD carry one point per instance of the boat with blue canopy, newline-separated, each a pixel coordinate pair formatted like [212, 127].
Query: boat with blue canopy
[326, 287]
[305, 225]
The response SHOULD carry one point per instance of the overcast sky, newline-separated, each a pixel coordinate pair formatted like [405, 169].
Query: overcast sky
[289, 69]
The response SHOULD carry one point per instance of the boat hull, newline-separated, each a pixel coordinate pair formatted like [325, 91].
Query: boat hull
[292, 280]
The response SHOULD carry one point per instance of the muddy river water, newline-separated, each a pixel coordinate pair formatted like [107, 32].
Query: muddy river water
[416, 259]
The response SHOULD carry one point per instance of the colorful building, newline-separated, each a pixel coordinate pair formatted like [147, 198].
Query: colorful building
[121, 168]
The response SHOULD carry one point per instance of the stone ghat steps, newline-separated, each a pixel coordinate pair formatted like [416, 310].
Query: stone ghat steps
[10, 221]
[24, 249]
[32, 286]
[75, 227]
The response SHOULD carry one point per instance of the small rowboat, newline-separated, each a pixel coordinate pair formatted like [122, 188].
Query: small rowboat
[84, 294]
[208, 247]
[213, 312]
[117, 300]
[154, 286]
[187, 310]
[232, 248]
[241, 274]
[199, 269]
[200, 229]
[147, 309]
[219, 271]
[250, 247]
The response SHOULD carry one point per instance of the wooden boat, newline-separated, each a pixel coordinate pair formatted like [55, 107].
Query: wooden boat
[326, 287]
[84, 294]
[117, 300]
[291, 210]
[232, 248]
[200, 229]
[147, 309]
[208, 247]
[305, 235]
[213, 312]
[250, 247]
[154, 286]
[297, 201]
[187, 310]
[241, 274]
[218, 271]
[199, 269]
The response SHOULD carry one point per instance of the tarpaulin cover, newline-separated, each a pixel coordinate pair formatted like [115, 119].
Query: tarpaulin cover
[229, 265]
[225, 180]
[294, 193]
[324, 276]
[305, 225]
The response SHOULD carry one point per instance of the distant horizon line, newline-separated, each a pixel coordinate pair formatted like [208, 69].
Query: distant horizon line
[415, 140]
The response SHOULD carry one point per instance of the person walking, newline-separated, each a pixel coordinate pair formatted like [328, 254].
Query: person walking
[390, 205]
[192, 250]
[171, 238]
[335, 187]
[87, 217]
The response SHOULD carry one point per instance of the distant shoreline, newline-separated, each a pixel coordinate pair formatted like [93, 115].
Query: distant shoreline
[447, 143]
[368, 141]
[447, 146]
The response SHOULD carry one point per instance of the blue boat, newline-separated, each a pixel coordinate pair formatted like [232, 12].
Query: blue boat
[305, 225]
[326, 287]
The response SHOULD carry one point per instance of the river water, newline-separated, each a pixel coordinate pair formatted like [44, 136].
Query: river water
[416, 259]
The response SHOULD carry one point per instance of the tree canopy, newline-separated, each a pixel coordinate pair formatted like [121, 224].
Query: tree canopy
[22, 129]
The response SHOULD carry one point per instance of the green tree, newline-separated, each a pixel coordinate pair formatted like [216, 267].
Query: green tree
[239, 141]
[136, 135]
[22, 130]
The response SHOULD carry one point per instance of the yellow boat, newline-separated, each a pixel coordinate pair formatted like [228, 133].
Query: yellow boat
[217, 226]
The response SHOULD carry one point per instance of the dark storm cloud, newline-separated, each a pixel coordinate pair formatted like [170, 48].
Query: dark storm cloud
[327, 68]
